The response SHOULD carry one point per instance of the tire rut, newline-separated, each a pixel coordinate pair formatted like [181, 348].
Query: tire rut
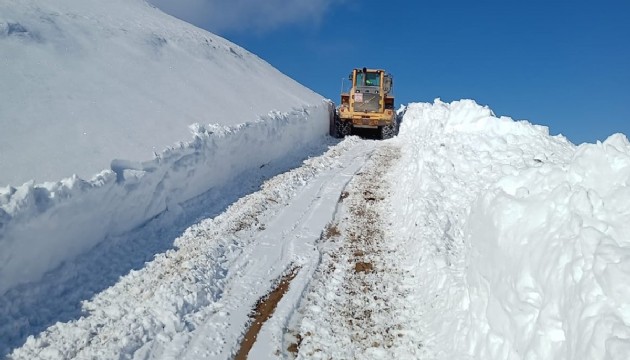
[351, 293]
[264, 309]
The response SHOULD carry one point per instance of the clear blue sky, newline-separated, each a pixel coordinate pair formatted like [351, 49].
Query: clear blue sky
[563, 64]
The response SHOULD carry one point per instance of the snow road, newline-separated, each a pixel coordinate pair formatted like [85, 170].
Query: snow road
[280, 239]
[193, 302]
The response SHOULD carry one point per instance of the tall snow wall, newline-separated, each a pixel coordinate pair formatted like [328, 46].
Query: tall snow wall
[549, 267]
[43, 225]
[519, 244]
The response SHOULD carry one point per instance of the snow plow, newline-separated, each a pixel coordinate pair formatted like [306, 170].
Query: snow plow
[367, 104]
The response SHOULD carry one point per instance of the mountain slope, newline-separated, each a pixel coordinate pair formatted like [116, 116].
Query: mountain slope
[89, 81]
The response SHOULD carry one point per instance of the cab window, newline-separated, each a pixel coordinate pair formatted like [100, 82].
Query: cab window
[360, 79]
[372, 79]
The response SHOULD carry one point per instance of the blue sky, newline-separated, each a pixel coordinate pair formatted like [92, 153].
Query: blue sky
[563, 64]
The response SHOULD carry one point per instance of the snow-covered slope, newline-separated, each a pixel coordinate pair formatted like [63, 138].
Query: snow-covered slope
[88, 81]
[149, 111]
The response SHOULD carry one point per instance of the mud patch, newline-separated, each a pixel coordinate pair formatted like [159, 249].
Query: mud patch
[363, 267]
[331, 231]
[294, 348]
[263, 311]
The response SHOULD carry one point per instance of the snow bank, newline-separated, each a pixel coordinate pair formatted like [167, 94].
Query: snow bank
[550, 259]
[43, 225]
[450, 154]
[518, 241]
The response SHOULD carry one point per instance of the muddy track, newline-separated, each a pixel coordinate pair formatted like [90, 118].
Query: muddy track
[263, 311]
[354, 288]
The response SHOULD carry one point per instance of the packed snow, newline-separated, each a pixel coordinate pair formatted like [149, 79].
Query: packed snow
[468, 236]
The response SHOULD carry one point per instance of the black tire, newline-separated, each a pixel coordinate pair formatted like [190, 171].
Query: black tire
[332, 125]
[388, 131]
[341, 128]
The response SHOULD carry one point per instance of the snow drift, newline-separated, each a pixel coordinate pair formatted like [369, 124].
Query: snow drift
[518, 239]
[114, 88]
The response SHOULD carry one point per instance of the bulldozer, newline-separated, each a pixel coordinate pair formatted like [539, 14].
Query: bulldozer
[367, 104]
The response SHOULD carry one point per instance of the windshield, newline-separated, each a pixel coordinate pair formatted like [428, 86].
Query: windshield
[368, 79]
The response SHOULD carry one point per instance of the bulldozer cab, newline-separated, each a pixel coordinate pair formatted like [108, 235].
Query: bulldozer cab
[360, 79]
[368, 79]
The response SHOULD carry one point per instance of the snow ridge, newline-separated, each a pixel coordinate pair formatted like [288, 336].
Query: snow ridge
[556, 236]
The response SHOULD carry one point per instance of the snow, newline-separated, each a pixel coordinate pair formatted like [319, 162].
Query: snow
[193, 301]
[557, 238]
[490, 239]
[143, 105]
[85, 82]
[518, 239]
[356, 307]
[468, 236]
[50, 223]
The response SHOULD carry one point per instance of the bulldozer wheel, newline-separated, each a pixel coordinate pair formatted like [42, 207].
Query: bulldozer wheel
[342, 128]
[388, 131]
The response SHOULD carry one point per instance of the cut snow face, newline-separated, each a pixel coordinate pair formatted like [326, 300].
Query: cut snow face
[85, 82]
[45, 225]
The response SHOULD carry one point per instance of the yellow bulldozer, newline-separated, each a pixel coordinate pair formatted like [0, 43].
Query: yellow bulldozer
[367, 104]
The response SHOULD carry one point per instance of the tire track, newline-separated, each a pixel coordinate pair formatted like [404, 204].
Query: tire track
[350, 310]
